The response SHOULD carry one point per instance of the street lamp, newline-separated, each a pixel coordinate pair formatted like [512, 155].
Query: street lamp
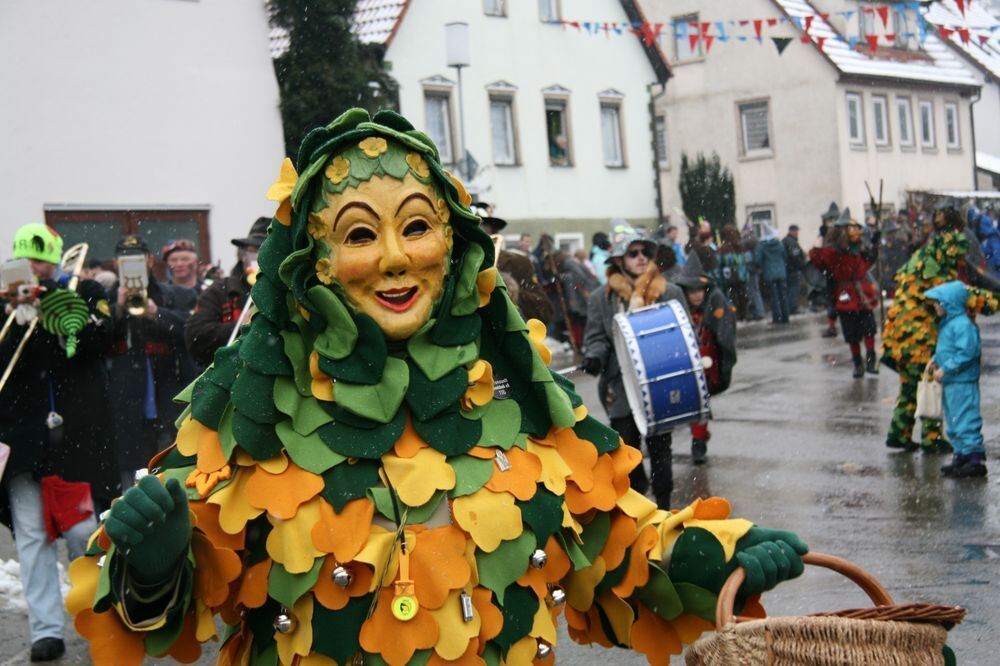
[456, 40]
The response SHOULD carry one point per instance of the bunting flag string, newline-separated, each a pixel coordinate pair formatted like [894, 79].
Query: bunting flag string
[706, 33]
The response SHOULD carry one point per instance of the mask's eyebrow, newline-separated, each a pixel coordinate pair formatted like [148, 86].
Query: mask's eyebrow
[412, 197]
[358, 204]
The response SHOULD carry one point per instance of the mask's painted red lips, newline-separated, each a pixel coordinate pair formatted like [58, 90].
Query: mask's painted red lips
[398, 300]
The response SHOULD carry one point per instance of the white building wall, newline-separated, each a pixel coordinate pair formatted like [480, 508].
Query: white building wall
[986, 114]
[157, 103]
[522, 51]
[901, 168]
[801, 176]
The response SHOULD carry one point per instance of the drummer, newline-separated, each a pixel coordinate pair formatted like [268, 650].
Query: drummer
[714, 321]
[633, 282]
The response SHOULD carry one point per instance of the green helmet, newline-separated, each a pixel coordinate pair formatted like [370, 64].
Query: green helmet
[38, 241]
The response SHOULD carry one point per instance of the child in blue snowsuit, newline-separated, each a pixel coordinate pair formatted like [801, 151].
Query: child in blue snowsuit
[956, 366]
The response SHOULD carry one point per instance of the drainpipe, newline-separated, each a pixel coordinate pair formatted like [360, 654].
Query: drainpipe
[656, 156]
[972, 128]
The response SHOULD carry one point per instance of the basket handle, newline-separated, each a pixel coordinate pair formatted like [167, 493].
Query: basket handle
[863, 579]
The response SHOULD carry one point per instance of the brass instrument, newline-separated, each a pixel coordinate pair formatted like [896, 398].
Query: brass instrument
[72, 263]
[133, 277]
[498, 243]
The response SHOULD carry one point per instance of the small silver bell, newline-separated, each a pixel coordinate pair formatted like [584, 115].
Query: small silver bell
[539, 559]
[558, 596]
[284, 623]
[544, 650]
[342, 577]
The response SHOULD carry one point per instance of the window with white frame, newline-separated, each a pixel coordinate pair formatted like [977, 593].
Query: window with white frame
[759, 215]
[904, 27]
[926, 110]
[548, 11]
[855, 120]
[660, 136]
[755, 128]
[437, 109]
[495, 7]
[612, 143]
[904, 117]
[502, 129]
[569, 241]
[880, 110]
[952, 136]
[684, 27]
[557, 130]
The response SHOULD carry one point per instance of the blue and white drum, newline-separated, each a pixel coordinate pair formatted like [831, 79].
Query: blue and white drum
[661, 367]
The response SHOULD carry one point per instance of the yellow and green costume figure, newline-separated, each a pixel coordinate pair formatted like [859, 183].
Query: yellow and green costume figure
[910, 333]
[382, 467]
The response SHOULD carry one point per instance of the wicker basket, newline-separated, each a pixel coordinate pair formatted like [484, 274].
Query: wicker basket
[888, 634]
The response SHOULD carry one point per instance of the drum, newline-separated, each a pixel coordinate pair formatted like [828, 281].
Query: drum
[661, 367]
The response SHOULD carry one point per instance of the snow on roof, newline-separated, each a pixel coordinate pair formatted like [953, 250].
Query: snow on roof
[375, 22]
[977, 16]
[988, 162]
[943, 67]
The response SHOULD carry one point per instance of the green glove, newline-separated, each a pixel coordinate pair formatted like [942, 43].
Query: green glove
[769, 557]
[151, 529]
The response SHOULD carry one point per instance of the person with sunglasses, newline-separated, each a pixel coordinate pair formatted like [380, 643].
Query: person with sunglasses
[634, 281]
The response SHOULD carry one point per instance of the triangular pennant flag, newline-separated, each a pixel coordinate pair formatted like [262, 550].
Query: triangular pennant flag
[720, 28]
[872, 42]
[575, 24]
[744, 22]
[825, 16]
[852, 42]
[651, 32]
[770, 22]
[883, 13]
[723, 38]
[983, 39]
[945, 32]
[757, 27]
[805, 39]
[890, 37]
[705, 27]
[848, 15]
[693, 40]
[964, 34]
[708, 43]
[781, 43]
[819, 42]
[961, 6]
[809, 20]
[797, 21]
[742, 38]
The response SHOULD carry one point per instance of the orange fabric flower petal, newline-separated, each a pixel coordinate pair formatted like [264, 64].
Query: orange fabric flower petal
[482, 452]
[409, 443]
[253, 590]
[580, 455]
[214, 569]
[210, 455]
[469, 658]
[712, 508]
[654, 637]
[602, 495]
[111, 643]
[207, 516]
[690, 627]
[557, 566]
[281, 494]
[346, 533]
[522, 477]
[486, 282]
[621, 536]
[625, 459]
[186, 648]
[637, 573]
[335, 597]
[395, 640]
[438, 565]
[490, 617]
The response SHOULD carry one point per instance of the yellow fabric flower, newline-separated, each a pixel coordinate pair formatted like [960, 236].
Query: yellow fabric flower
[416, 479]
[536, 333]
[486, 282]
[373, 146]
[322, 384]
[480, 390]
[315, 226]
[339, 169]
[488, 517]
[281, 191]
[324, 271]
[299, 640]
[418, 165]
[463, 195]
[290, 541]
[454, 634]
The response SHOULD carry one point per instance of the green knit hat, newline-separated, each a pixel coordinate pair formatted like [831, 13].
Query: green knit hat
[38, 241]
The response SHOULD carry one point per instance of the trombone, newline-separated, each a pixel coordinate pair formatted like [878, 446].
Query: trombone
[72, 263]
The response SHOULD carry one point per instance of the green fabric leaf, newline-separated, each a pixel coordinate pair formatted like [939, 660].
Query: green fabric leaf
[269, 299]
[428, 399]
[349, 481]
[535, 418]
[158, 642]
[560, 409]
[262, 349]
[573, 551]
[437, 361]
[595, 535]
[492, 654]
[449, 433]
[366, 363]
[298, 354]
[288, 587]
[698, 558]
[613, 577]
[338, 338]
[260, 621]
[543, 514]
[660, 596]
[226, 438]
[363, 443]
[253, 397]
[102, 595]
[175, 459]
[497, 570]
[414, 515]
[519, 605]
[568, 387]
[185, 394]
[306, 412]
[466, 300]
[471, 474]
[307, 451]
[380, 401]
[601, 436]
[208, 402]
[501, 422]
[697, 601]
[225, 366]
[335, 633]
[259, 440]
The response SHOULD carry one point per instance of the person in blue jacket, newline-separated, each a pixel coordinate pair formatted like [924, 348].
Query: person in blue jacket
[956, 365]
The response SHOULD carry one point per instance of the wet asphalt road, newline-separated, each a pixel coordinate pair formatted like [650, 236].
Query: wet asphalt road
[798, 444]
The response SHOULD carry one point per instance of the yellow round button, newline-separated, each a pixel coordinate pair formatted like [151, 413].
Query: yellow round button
[404, 608]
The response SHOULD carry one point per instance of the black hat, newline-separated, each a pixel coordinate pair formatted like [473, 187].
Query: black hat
[258, 232]
[131, 244]
[793, 227]
[495, 223]
[833, 212]
[693, 274]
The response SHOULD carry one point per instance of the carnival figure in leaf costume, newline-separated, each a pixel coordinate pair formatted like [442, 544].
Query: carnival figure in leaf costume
[910, 332]
[383, 467]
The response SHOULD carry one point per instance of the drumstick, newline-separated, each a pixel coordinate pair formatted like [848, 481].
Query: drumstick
[567, 371]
